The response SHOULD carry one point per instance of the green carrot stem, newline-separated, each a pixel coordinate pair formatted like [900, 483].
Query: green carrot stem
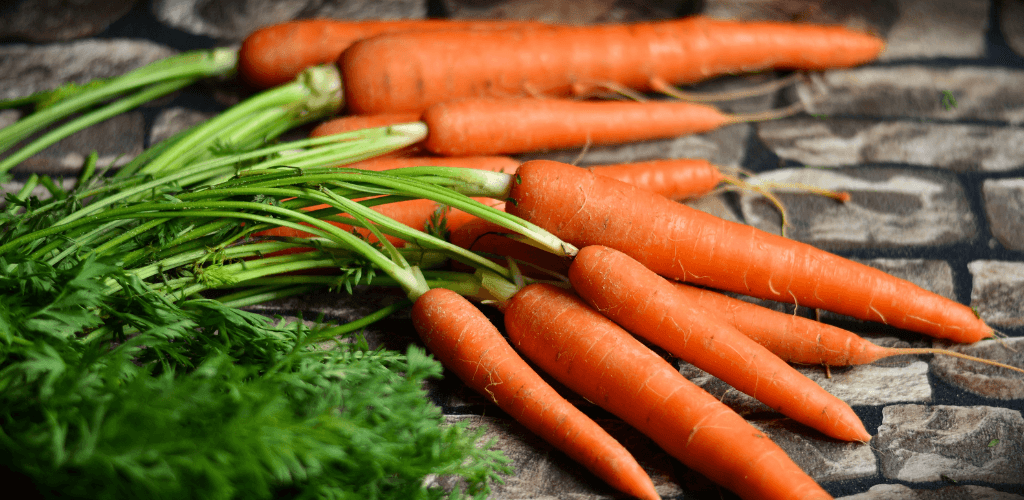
[314, 94]
[24, 192]
[191, 65]
[92, 118]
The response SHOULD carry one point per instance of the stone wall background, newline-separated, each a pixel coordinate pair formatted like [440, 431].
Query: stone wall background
[928, 140]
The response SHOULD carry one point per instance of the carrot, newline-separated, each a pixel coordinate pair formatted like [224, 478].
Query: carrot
[466, 342]
[802, 340]
[685, 244]
[596, 358]
[487, 126]
[276, 54]
[673, 178]
[350, 123]
[647, 305]
[412, 70]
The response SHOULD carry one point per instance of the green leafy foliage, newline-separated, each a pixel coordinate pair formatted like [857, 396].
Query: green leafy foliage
[136, 396]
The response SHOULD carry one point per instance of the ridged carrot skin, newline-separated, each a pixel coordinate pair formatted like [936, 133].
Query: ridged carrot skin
[677, 179]
[488, 126]
[649, 306]
[597, 359]
[466, 342]
[793, 338]
[411, 71]
[685, 244]
[276, 54]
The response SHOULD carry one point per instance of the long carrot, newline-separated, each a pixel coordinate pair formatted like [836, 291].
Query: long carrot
[596, 358]
[486, 237]
[413, 213]
[802, 340]
[275, 54]
[682, 243]
[466, 342]
[488, 126]
[412, 70]
[647, 305]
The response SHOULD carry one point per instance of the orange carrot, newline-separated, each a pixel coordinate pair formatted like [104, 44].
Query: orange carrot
[673, 178]
[276, 54]
[647, 305]
[466, 342]
[485, 126]
[412, 70]
[802, 340]
[685, 244]
[597, 359]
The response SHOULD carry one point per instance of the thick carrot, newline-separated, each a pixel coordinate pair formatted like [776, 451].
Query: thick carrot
[802, 340]
[685, 244]
[412, 70]
[466, 342]
[276, 54]
[486, 126]
[648, 305]
[594, 357]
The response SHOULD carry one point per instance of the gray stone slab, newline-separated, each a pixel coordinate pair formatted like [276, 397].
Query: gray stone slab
[918, 443]
[117, 140]
[1004, 208]
[856, 385]
[235, 19]
[889, 207]
[59, 20]
[829, 142]
[996, 293]
[937, 28]
[26, 69]
[902, 492]
[855, 14]
[824, 460]
[576, 12]
[170, 121]
[919, 91]
[544, 472]
[1011, 23]
[979, 378]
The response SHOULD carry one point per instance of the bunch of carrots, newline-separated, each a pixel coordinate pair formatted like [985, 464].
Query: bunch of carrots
[635, 263]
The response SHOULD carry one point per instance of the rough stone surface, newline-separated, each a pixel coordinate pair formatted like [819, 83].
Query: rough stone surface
[856, 385]
[982, 379]
[889, 207]
[915, 90]
[58, 20]
[1004, 208]
[1011, 24]
[875, 17]
[825, 461]
[918, 443]
[173, 120]
[997, 292]
[235, 19]
[26, 69]
[937, 28]
[567, 11]
[829, 142]
[544, 472]
[117, 141]
[901, 492]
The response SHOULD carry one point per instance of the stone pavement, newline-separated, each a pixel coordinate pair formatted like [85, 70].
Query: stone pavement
[928, 141]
